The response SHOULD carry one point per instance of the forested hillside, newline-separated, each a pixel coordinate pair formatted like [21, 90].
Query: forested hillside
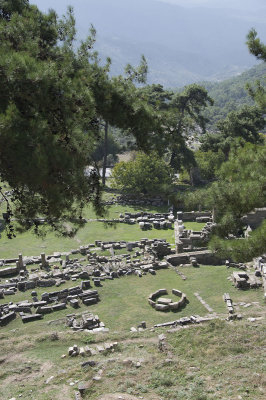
[227, 95]
[232, 93]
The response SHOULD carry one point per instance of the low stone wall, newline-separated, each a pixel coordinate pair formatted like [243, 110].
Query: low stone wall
[192, 216]
[205, 257]
[9, 271]
[169, 306]
[255, 218]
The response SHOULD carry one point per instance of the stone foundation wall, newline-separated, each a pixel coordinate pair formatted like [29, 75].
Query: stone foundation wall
[255, 218]
[192, 215]
[205, 257]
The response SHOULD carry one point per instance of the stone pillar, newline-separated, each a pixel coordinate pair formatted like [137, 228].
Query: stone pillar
[178, 244]
[213, 215]
[43, 260]
[129, 246]
[20, 260]
[20, 264]
[179, 215]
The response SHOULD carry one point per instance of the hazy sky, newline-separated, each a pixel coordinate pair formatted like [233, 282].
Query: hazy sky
[191, 40]
[244, 4]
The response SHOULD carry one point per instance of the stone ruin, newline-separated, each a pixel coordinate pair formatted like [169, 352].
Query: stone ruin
[166, 304]
[189, 240]
[205, 257]
[230, 308]
[140, 200]
[87, 322]
[260, 270]
[193, 319]
[244, 280]
[194, 216]
[229, 303]
[254, 218]
[75, 351]
[147, 254]
[147, 220]
[97, 270]
[49, 303]
[230, 264]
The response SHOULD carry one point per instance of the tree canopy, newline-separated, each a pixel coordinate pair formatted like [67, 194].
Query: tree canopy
[239, 127]
[182, 115]
[147, 174]
[240, 182]
[239, 188]
[258, 49]
[53, 94]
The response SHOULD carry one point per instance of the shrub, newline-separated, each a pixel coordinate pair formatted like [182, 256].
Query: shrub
[147, 174]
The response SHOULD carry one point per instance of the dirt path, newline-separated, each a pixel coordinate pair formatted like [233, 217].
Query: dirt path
[125, 396]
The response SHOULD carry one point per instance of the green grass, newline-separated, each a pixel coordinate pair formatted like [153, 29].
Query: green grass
[124, 301]
[217, 361]
[115, 210]
[194, 226]
[29, 244]
[208, 363]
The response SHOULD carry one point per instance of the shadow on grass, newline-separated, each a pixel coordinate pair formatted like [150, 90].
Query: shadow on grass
[2, 225]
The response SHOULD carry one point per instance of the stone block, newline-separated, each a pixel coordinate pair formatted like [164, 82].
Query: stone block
[85, 285]
[44, 310]
[164, 300]
[5, 319]
[89, 301]
[74, 303]
[174, 306]
[162, 307]
[59, 307]
[32, 317]
[177, 292]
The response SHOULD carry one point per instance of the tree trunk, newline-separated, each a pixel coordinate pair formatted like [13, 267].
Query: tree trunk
[105, 152]
[172, 160]
[195, 177]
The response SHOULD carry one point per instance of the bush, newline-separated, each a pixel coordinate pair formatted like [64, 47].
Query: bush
[209, 162]
[147, 174]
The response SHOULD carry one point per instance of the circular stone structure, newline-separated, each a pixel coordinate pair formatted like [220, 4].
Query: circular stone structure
[165, 304]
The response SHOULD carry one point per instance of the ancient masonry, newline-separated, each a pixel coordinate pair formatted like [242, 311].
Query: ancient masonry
[166, 304]
[141, 257]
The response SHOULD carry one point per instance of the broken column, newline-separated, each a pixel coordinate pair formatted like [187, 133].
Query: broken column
[43, 260]
[20, 263]
[179, 227]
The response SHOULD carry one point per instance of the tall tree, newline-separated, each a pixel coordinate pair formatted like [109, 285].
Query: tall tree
[132, 74]
[255, 46]
[241, 181]
[239, 127]
[240, 187]
[52, 96]
[181, 115]
[258, 49]
[185, 119]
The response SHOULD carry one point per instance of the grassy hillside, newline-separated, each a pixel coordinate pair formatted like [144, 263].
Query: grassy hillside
[219, 360]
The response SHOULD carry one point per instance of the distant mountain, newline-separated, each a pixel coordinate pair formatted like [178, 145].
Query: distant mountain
[181, 44]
